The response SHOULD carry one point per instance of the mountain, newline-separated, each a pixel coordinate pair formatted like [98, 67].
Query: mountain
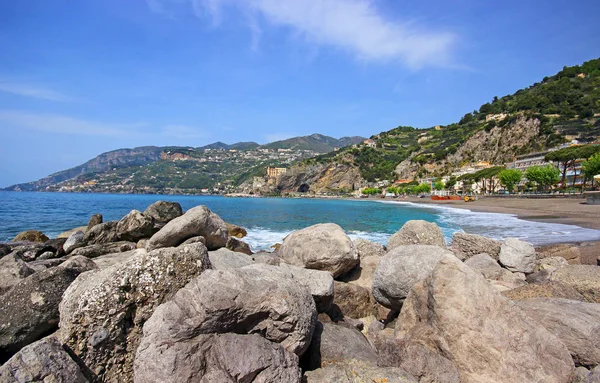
[316, 142]
[160, 169]
[557, 110]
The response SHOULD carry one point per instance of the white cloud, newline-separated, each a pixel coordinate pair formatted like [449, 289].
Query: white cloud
[32, 91]
[182, 132]
[58, 124]
[356, 26]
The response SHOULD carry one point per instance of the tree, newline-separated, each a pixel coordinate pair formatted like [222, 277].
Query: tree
[566, 157]
[591, 167]
[543, 176]
[510, 177]
[424, 188]
[451, 182]
[371, 191]
[438, 185]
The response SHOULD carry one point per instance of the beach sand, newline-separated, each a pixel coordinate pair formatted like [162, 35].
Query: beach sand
[571, 211]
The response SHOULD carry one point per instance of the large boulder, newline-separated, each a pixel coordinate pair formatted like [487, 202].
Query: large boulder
[464, 246]
[236, 231]
[488, 338]
[30, 308]
[584, 278]
[334, 344]
[417, 232]
[224, 259]
[12, 270]
[401, 268]
[31, 236]
[74, 241]
[163, 211]
[181, 332]
[321, 247]
[486, 265]
[196, 221]
[56, 246]
[135, 226]
[94, 251]
[350, 301]
[358, 372]
[576, 324]
[4, 249]
[546, 289]
[102, 233]
[516, 255]
[236, 245]
[370, 254]
[570, 253]
[103, 311]
[43, 361]
[319, 283]
[30, 251]
[95, 219]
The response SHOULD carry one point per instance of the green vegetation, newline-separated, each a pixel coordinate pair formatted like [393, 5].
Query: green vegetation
[544, 176]
[567, 157]
[591, 167]
[371, 191]
[439, 185]
[509, 178]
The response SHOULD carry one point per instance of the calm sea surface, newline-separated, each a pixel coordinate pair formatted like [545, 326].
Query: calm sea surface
[269, 220]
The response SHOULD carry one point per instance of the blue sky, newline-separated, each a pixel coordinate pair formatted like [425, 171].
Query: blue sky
[78, 78]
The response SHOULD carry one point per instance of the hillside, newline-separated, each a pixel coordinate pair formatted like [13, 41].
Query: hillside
[148, 169]
[559, 109]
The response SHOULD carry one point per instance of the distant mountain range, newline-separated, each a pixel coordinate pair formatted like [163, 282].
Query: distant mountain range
[200, 168]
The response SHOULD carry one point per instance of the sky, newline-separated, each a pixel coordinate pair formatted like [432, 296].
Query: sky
[79, 78]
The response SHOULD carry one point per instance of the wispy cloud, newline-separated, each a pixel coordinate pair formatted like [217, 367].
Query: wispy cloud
[356, 26]
[36, 92]
[58, 124]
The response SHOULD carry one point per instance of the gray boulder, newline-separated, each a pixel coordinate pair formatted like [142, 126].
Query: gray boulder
[576, 324]
[95, 219]
[584, 278]
[224, 259]
[240, 301]
[212, 358]
[266, 258]
[235, 244]
[370, 254]
[102, 233]
[162, 212]
[4, 249]
[94, 251]
[350, 301]
[466, 245]
[43, 361]
[551, 263]
[417, 232]
[358, 372]
[198, 238]
[74, 241]
[401, 268]
[12, 270]
[103, 311]
[486, 265]
[79, 264]
[516, 255]
[30, 251]
[456, 312]
[30, 308]
[196, 221]
[319, 283]
[321, 247]
[56, 246]
[135, 226]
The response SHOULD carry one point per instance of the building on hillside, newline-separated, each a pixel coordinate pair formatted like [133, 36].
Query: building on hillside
[275, 172]
[526, 161]
[370, 143]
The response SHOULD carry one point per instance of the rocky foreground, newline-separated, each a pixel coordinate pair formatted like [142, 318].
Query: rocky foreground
[167, 296]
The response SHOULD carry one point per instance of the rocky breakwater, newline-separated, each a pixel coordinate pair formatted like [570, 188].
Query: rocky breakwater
[161, 296]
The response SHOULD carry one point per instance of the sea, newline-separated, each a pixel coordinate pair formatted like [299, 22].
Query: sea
[269, 220]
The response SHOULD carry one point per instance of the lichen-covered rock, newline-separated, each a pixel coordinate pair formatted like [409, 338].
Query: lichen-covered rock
[236, 231]
[43, 361]
[576, 324]
[12, 270]
[417, 232]
[584, 278]
[224, 259]
[236, 245]
[241, 301]
[196, 221]
[31, 236]
[321, 247]
[163, 212]
[516, 255]
[401, 268]
[94, 251]
[464, 246]
[95, 219]
[74, 241]
[488, 338]
[102, 312]
[102, 233]
[135, 226]
[30, 308]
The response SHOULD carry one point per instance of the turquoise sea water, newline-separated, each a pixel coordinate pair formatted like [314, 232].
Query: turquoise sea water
[269, 220]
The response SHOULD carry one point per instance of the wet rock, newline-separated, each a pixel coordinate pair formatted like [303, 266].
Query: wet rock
[74, 241]
[235, 244]
[464, 246]
[119, 299]
[12, 270]
[95, 219]
[135, 226]
[102, 233]
[43, 361]
[196, 221]
[94, 251]
[417, 232]
[401, 268]
[31, 236]
[321, 247]
[516, 255]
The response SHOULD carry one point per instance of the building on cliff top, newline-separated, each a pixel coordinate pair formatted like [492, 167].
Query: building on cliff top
[275, 172]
